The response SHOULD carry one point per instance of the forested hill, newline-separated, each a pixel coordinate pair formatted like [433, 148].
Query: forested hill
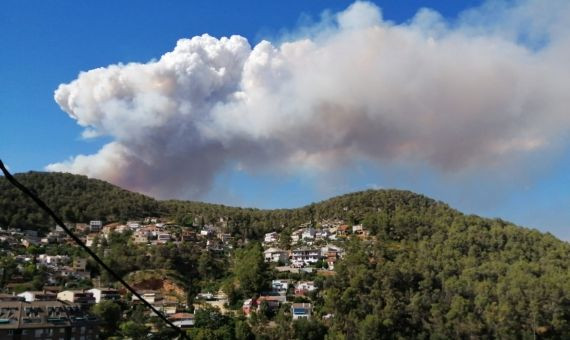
[426, 271]
[75, 198]
[397, 214]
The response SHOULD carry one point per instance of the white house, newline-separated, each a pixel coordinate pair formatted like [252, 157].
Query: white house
[358, 229]
[276, 255]
[280, 285]
[306, 255]
[308, 234]
[105, 294]
[151, 296]
[271, 237]
[30, 296]
[82, 297]
[304, 287]
[53, 260]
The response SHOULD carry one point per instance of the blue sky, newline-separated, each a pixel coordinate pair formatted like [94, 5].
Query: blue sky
[45, 44]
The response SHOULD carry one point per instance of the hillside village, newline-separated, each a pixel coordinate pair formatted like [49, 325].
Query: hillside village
[295, 261]
[377, 264]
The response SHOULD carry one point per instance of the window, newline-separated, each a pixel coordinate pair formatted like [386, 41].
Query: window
[39, 333]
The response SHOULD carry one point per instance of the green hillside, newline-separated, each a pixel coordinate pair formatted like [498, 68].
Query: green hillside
[426, 271]
[75, 198]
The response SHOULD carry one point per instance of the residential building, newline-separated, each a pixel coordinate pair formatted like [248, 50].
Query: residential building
[95, 226]
[358, 229]
[277, 296]
[322, 234]
[53, 260]
[304, 287]
[305, 256]
[22, 320]
[272, 302]
[40, 295]
[105, 294]
[182, 320]
[140, 237]
[68, 271]
[163, 237]
[83, 298]
[276, 255]
[50, 238]
[271, 237]
[301, 310]
[168, 305]
[308, 234]
[134, 225]
[79, 264]
[207, 231]
[343, 230]
[205, 296]
[280, 285]
[331, 250]
[28, 241]
[11, 297]
[296, 235]
[151, 296]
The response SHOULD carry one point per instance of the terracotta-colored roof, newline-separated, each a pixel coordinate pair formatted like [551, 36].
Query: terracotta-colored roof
[181, 316]
[268, 298]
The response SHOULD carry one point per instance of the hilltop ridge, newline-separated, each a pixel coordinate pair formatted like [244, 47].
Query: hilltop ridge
[77, 198]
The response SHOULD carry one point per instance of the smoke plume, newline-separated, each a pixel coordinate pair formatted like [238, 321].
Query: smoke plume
[486, 89]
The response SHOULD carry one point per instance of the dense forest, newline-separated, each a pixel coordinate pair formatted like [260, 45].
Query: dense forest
[438, 275]
[79, 199]
[75, 198]
[426, 271]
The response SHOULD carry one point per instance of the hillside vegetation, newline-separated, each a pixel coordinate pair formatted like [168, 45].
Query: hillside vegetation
[427, 271]
[75, 198]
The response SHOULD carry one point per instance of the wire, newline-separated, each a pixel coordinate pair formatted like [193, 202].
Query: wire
[60, 223]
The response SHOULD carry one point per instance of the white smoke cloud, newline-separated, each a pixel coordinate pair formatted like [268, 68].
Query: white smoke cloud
[485, 90]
